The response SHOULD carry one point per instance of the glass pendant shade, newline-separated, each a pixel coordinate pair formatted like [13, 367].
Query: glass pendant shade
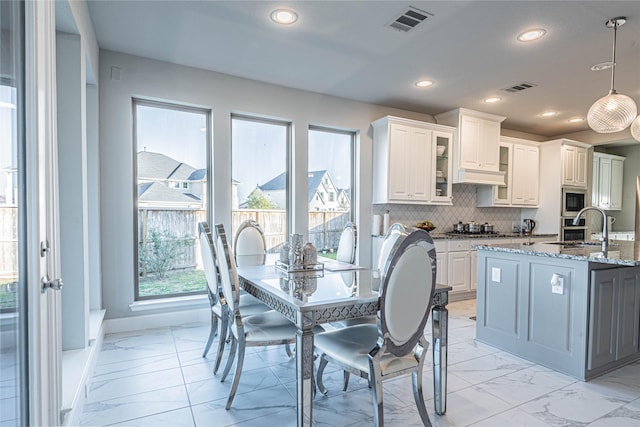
[612, 113]
[635, 129]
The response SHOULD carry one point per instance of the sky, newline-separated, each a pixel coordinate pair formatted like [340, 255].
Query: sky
[259, 154]
[258, 148]
[177, 134]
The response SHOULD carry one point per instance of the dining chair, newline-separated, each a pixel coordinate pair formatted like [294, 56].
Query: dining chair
[348, 243]
[396, 344]
[249, 245]
[250, 248]
[264, 329]
[217, 303]
[396, 233]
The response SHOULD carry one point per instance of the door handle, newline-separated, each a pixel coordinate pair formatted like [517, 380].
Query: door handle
[47, 283]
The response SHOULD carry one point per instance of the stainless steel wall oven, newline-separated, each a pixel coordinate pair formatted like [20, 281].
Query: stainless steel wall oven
[573, 200]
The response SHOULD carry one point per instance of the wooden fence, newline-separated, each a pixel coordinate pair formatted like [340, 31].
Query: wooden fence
[324, 231]
[324, 227]
[8, 242]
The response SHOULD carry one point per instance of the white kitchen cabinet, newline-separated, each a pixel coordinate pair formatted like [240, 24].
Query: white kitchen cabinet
[574, 166]
[520, 161]
[553, 165]
[459, 265]
[607, 181]
[408, 166]
[526, 175]
[476, 147]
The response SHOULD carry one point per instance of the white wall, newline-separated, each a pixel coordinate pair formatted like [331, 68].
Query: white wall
[224, 95]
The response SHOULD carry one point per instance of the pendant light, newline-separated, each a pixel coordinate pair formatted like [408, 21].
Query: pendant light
[614, 112]
[635, 129]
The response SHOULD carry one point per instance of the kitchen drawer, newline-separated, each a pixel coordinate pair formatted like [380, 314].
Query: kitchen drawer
[457, 245]
[441, 246]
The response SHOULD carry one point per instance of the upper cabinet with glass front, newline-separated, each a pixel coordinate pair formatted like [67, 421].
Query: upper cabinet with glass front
[411, 162]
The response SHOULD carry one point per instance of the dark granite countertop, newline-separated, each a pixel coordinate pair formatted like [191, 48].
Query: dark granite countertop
[620, 252]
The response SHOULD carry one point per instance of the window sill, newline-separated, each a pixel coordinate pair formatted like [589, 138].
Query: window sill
[191, 301]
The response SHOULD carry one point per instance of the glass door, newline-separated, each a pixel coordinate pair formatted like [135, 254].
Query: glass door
[441, 187]
[502, 192]
[13, 356]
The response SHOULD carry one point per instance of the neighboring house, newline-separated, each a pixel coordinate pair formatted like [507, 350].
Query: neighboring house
[166, 182]
[324, 196]
[344, 198]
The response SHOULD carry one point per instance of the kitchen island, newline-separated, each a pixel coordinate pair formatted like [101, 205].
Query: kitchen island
[570, 307]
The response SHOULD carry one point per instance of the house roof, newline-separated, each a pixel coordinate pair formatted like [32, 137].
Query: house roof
[159, 193]
[279, 183]
[275, 184]
[198, 175]
[158, 166]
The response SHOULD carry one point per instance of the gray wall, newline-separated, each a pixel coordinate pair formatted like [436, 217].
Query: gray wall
[224, 95]
[625, 219]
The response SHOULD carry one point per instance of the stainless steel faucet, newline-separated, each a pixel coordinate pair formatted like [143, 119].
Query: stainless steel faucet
[605, 226]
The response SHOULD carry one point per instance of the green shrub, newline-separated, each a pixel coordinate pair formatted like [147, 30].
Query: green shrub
[161, 251]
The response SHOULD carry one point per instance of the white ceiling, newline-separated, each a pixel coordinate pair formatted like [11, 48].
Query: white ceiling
[343, 48]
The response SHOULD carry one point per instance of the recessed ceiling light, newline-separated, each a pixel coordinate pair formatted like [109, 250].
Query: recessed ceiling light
[531, 35]
[284, 16]
[424, 83]
[493, 99]
[549, 113]
[576, 120]
[602, 66]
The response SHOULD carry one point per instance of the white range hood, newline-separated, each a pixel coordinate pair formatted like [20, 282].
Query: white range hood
[476, 146]
[470, 176]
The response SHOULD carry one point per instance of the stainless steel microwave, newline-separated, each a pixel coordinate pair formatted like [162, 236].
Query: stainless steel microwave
[573, 200]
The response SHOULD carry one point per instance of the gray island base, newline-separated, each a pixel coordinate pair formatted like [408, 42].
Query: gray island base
[569, 307]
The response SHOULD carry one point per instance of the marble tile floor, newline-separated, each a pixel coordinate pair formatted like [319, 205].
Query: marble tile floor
[157, 377]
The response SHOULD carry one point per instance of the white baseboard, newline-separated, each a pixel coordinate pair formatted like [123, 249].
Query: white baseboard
[159, 320]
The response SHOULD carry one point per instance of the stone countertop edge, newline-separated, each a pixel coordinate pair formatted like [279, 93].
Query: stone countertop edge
[498, 235]
[624, 253]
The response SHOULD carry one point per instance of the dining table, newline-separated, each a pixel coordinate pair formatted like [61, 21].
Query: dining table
[336, 292]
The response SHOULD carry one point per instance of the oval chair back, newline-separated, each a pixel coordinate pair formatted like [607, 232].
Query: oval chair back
[347, 244]
[408, 283]
[395, 232]
[250, 246]
[227, 267]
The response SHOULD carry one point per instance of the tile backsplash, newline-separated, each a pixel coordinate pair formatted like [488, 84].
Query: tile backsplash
[464, 209]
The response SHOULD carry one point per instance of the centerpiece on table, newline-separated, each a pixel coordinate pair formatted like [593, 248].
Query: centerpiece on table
[426, 225]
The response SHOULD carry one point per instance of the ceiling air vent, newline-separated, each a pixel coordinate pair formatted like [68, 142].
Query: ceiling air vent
[409, 19]
[519, 87]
